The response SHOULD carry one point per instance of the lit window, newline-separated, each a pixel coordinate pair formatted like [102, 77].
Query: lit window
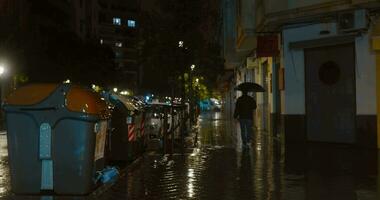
[118, 44]
[131, 23]
[116, 21]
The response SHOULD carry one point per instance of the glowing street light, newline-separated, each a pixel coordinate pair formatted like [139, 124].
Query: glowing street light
[192, 67]
[2, 69]
[115, 89]
[197, 80]
[124, 92]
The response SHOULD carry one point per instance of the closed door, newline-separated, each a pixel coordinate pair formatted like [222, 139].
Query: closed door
[330, 93]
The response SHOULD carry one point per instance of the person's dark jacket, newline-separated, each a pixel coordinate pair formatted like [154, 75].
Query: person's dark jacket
[245, 105]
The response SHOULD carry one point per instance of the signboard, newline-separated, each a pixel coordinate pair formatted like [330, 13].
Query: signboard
[101, 134]
[252, 63]
[267, 46]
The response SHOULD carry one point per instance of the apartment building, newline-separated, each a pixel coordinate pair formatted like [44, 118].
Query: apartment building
[119, 28]
[317, 61]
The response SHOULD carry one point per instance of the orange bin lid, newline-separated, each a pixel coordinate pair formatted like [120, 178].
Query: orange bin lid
[30, 94]
[82, 100]
[78, 99]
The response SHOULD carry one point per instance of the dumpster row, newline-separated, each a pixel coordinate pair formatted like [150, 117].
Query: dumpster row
[168, 124]
[62, 137]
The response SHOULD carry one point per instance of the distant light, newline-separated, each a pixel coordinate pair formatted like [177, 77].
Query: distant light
[119, 44]
[197, 80]
[180, 44]
[101, 41]
[2, 70]
[115, 89]
[192, 67]
[124, 92]
[93, 86]
[67, 81]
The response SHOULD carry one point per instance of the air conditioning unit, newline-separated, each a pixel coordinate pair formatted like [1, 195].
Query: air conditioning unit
[352, 21]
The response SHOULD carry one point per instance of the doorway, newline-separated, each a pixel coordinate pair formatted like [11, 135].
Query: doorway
[330, 93]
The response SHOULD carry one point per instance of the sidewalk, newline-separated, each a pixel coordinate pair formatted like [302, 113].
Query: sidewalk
[216, 170]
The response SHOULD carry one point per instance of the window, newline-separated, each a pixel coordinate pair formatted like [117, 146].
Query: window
[116, 21]
[118, 44]
[131, 23]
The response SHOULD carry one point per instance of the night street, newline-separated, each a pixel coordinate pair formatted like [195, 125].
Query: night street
[217, 170]
[190, 99]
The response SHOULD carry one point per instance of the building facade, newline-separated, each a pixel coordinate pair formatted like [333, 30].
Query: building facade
[317, 61]
[119, 28]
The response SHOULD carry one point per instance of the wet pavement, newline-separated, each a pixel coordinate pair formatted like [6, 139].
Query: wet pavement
[217, 169]
[4, 168]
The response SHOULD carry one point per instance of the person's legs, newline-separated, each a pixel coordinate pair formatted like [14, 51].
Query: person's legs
[243, 130]
[249, 127]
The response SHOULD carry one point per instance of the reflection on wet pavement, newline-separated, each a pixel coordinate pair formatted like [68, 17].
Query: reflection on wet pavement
[218, 169]
[215, 170]
[4, 169]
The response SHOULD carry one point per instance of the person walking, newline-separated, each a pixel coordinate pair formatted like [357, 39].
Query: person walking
[245, 106]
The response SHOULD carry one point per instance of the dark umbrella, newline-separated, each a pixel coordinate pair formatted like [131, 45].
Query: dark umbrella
[250, 87]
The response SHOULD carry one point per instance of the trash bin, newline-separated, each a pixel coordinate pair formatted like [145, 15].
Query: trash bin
[56, 136]
[117, 142]
[126, 140]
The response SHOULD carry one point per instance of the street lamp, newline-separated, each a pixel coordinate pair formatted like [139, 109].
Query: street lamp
[115, 89]
[192, 67]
